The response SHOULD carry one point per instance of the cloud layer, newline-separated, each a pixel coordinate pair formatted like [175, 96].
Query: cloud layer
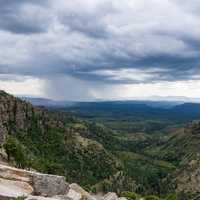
[100, 42]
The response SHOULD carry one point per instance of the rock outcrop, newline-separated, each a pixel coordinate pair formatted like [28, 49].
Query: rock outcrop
[49, 185]
[12, 189]
[110, 196]
[84, 195]
[41, 184]
[14, 111]
[30, 197]
[32, 185]
[187, 179]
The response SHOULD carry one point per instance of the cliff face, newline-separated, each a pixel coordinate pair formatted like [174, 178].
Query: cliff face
[185, 147]
[17, 116]
[14, 114]
[188, 178]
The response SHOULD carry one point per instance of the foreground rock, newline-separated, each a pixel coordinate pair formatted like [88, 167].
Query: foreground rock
[74, 195]
[31, 185]
[110, 196]
[15, 174]
[187, 179]
[12, 189]
[42, 198]
[43, 184]
[49, 185]
[84, 194]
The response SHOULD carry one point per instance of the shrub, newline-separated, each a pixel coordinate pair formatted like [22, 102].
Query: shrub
[14, 149]
[20, 198]
[172, 197]
[152, 198]
[129, 195]
[93, 190]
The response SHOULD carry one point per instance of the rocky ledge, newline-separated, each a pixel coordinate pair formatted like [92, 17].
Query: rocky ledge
[29, 185]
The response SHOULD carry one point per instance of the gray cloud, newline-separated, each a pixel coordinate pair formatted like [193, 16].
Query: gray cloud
[24, 17]
[90, 21]
[83, 39]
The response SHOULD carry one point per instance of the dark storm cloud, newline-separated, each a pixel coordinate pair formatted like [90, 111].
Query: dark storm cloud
[87, 25]
[19, 26]
[23, 17]
[89, 21]
[103, 41]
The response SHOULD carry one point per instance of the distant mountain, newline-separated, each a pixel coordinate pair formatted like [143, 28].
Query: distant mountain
[188, 111]
[188, 107]
[47, 102]
[154, 104]
[181, 99]
[54, 103]
[128, 104]
[138, 109]
[176, 110]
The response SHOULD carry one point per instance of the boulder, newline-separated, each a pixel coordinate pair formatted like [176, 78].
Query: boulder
[80, 190]
[73, 195]
[110, 196]
[49, 185]
[41, 198]
[12, 189]
[43, 184]
[15, 174]
[62, 197]
[122, 198]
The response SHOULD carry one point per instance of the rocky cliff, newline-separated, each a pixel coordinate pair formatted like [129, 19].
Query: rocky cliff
[183, 148]
[14, 114]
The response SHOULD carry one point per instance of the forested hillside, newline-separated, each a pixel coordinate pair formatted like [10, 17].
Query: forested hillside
[33, 138]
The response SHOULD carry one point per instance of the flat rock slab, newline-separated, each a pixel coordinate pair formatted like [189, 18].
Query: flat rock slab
[48, 198]
[12, 189]
[122, 198]
[43, 184]
[15, 174]
[41, 198]
[84, 194]
[73, 195]
[49, 185]
[110, 196]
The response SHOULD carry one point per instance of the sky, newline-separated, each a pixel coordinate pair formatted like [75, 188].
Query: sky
[100, 49]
